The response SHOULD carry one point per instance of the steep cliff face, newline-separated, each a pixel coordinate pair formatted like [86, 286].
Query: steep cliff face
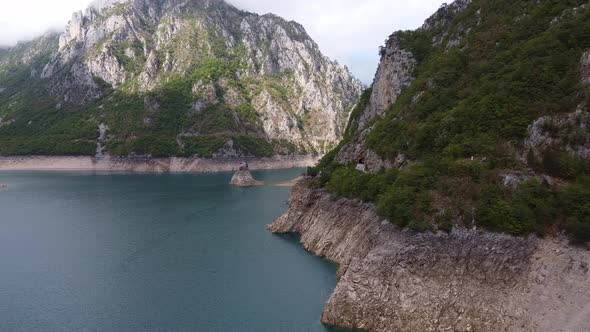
[396, 71]
[394, 280]
[194, 78]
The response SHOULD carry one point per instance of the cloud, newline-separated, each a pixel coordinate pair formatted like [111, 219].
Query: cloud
[27, 19]
[349, 31]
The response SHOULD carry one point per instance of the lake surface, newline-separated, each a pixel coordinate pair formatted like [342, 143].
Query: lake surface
[128, 252]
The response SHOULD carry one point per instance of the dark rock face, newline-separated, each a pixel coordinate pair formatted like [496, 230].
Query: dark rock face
[393, 280]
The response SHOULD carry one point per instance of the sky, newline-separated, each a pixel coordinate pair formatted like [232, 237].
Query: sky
[349, 31]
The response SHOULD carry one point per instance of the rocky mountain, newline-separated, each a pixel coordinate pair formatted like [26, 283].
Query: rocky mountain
[173, 78]
[458, 199]
[480, 118]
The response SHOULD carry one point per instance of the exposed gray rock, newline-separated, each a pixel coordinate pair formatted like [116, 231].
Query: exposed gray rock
[570, 131]
[570, 12]
[108, 68]
[393, 75]
[149, 165]
[393, 280]
[102, 136]
[515, 179]
[440, 21]
[244, 179]
[205, 92]
[585, 67]
[75, 87]
[149, 76]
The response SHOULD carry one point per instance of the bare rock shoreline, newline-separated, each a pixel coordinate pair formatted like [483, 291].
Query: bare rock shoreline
[149, 165]
[394, 280]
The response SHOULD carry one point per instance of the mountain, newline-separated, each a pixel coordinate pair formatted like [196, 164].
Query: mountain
[462, 170]
[478, 118]
[172, 78]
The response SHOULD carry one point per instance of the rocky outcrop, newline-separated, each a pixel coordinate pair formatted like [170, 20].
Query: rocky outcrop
[393, 280]
[395, 72]
[243, 178]
[564, 131]
[441, 20]
[393, 75]
[569, 131]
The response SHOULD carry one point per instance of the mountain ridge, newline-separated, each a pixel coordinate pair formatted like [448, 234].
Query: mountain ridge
[247, 84]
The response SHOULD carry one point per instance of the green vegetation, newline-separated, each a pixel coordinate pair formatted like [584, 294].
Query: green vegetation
[467, 126]
[509, 74]
[31, 123]
[204, 146]
[356, 113]
[133, 64]
[435, 193]
[207, 146]
[140, 124]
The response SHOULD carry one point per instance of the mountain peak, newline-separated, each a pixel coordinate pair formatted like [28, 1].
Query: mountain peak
[204, 78]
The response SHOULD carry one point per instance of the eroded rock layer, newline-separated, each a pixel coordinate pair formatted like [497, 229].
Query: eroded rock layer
[393, 280]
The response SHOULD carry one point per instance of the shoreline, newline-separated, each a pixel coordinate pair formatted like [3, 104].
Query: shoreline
[150, 165]
[467, 280]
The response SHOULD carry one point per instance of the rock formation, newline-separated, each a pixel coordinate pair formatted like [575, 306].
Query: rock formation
[243, 177]
[209, 73]
[394, 280]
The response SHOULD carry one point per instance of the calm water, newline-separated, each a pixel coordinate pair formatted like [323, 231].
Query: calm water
[122, 252]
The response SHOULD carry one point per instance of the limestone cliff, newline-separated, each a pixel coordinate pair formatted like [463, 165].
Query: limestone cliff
[197, 77]
[468, 280]
[395, 73]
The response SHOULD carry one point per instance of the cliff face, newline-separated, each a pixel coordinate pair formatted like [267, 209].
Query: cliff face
[396, 72]
[394, 280]
[191, 73]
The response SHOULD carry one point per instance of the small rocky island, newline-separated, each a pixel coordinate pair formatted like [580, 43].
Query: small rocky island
[243, 177]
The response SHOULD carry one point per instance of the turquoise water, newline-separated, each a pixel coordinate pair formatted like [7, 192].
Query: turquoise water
[123, 252]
